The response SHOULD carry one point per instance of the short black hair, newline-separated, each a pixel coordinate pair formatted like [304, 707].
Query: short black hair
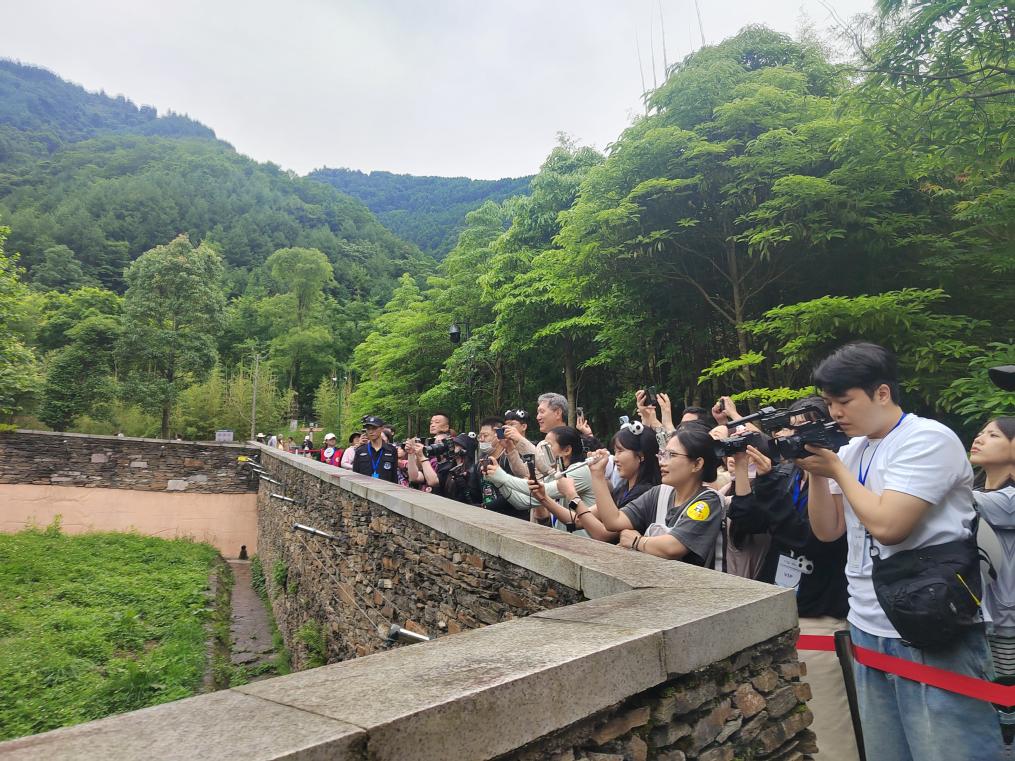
[353, 436]
[444, 415]
[701, 414]
[858, 365]
[493, 421]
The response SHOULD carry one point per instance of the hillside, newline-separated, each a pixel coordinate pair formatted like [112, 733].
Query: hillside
[91, 182]
[429, 211]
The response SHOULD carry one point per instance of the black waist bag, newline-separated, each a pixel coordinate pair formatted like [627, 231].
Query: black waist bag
[930, 594]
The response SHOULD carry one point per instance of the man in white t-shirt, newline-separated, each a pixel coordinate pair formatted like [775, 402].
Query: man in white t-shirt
[903, 482]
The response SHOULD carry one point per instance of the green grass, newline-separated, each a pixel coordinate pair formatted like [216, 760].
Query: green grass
[97, 624]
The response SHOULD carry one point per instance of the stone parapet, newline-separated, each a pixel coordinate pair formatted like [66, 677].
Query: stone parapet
[630, 657]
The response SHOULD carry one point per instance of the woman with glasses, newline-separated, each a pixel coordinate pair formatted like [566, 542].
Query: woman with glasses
[681, 518]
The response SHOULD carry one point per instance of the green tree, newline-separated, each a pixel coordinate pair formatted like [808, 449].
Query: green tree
[80, 376]
[172, 315]
[19, 373]
[58, 270]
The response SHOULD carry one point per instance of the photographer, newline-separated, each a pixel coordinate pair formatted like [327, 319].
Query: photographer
[349, 456]
[681, 518]
[463, 480]
[776, 506]
[428, 466]
[902, 484]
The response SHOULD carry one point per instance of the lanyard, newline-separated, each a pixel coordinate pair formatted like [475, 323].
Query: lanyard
[861, 474]
[799, 499]
[375, 464]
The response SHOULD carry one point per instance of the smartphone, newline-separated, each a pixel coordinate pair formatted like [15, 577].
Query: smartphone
[650, 396]
[485, 462]
[530, 461]
[500, 433]
[581, 412]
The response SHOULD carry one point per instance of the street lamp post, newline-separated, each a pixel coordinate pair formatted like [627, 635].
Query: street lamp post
[339, 380]
[456, 335]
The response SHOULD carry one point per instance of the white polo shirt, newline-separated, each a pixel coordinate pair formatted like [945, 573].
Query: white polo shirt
[922, 458]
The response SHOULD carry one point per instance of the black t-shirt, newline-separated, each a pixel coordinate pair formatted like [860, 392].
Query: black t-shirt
[622, 494]
[778, 506]
[381, 464]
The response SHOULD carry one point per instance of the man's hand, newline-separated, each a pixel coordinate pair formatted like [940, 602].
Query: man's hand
[511, 434]
[646, 412]
[597, 462]
[583, 426]
[490, 467]
[627, 537]
[821, 462]
[762, 463]
[665, 411]
[725, 410]
[566, 488]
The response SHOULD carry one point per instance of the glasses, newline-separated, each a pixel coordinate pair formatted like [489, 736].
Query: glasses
[666, 454]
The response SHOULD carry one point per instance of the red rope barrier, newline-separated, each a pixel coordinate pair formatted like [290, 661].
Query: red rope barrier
[960, 684]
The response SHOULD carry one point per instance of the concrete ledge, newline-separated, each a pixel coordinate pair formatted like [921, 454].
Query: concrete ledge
[474, 695]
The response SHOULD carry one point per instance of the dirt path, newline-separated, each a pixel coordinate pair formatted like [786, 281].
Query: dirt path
[249, 627]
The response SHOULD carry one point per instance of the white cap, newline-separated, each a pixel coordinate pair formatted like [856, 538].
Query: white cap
[330, 436]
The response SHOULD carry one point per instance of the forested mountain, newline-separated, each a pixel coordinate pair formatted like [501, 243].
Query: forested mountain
[93, 188]
[89, 182]
[429, 211]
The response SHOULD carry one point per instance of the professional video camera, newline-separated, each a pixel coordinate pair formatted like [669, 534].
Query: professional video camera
[817, 429]
[439, 449]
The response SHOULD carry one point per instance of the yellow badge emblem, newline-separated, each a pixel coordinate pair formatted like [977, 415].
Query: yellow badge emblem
[698, 511]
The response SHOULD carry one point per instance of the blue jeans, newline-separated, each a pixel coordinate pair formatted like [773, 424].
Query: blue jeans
[908, 721]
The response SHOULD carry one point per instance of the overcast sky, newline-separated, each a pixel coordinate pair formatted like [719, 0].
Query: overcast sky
[478, 88]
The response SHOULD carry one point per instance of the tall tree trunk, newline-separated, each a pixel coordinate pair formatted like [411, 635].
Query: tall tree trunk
[738, 309]
[498, 385]
[165, 419]
[569, 380]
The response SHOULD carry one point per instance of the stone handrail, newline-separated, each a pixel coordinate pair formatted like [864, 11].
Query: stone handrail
[482, 693]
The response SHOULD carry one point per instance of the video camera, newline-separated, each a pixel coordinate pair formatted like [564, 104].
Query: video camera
[817, 430]
[439, 449]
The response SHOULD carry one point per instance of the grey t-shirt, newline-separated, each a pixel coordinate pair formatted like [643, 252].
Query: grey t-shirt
[695, 523]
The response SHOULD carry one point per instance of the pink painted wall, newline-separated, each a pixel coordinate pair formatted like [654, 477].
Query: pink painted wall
[226, 521]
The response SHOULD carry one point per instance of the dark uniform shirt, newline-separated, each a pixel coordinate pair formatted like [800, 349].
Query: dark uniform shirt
[381, 463]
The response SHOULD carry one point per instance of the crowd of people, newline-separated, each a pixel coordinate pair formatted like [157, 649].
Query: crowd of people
[843, 526]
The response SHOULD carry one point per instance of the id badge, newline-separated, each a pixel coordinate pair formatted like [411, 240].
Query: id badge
[376, 475]
[787, 573]
[857, 547]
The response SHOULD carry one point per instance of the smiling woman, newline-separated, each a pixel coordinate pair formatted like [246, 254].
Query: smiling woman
[97, 624]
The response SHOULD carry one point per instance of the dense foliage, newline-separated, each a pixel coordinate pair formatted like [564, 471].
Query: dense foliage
[762, 212]
[769, 205]
[428, 211]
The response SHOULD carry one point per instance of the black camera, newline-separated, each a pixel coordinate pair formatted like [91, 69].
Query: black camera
[818, 430]
[439, 449]
[735, 444]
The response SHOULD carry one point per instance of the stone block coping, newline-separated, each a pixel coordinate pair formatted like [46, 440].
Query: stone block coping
[473, 695]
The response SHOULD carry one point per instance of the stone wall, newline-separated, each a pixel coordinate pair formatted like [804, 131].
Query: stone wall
[621, 656]
[72, 459]
[383, 568]
[749, 706]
